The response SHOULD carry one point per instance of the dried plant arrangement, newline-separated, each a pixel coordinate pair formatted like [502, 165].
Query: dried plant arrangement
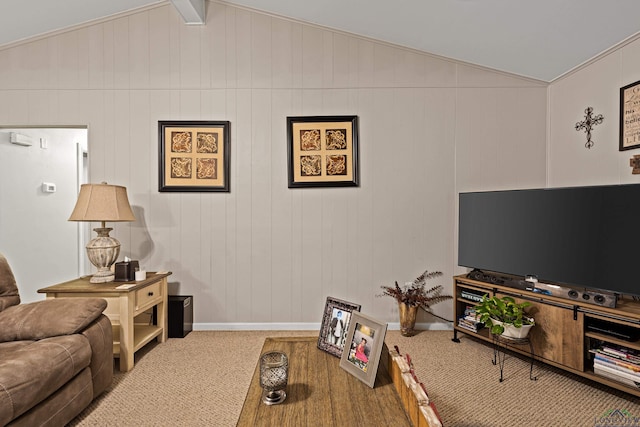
[417, 294]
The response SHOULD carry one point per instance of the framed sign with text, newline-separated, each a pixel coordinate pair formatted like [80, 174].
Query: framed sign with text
[630, 116]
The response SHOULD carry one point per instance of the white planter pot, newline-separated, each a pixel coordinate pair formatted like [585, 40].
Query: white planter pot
[511, 331]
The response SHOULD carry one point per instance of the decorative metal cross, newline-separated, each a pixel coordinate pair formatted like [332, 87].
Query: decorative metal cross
[588, 123]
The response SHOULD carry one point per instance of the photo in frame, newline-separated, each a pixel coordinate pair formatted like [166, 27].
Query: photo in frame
[194, 156]
[365, 340]
[335, 325]
[630, 116]
[322, 151]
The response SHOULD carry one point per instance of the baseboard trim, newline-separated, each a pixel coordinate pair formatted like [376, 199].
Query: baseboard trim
[256, 326]
[301, 326]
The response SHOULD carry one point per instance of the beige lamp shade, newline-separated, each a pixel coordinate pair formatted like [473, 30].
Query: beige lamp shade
[102, 202]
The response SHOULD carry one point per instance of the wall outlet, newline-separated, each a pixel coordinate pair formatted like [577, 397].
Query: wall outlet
[48, 187]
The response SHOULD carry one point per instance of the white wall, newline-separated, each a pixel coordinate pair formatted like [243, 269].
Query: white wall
[265, 254]
[596, 85]
[35, 236]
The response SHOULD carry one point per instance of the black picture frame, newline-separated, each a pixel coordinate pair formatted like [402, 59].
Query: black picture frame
[194, 156]
[323, 151]
[341, 311]
[630, 116]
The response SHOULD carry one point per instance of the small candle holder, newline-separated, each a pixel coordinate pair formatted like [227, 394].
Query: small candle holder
[274, 370]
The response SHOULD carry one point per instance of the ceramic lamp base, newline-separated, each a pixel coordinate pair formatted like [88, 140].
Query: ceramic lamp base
[103, 251]
[102, 276]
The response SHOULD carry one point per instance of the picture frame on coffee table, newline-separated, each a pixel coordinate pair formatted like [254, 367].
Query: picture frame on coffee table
[335, 325]
[365, 340]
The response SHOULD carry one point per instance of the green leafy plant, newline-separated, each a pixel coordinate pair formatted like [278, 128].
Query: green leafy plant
[505, 310]
[417, 294]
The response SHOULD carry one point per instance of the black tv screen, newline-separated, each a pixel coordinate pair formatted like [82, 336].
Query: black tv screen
[586, 237]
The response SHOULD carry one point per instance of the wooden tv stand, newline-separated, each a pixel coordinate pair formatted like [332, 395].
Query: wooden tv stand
[561, 337]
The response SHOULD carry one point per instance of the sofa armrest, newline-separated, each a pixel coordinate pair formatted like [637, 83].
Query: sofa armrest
[100, 336]
[49, 318]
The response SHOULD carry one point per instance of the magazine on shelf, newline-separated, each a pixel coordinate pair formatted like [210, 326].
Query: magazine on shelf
[616, 375]
[468, 325]
[616, 361]
[612, 371]
[469, 328]
[622, 352]
[608, 364]
[469, 320]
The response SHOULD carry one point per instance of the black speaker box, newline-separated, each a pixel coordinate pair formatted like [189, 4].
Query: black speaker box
[180, 315]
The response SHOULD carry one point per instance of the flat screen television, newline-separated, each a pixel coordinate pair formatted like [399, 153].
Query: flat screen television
[585, 237]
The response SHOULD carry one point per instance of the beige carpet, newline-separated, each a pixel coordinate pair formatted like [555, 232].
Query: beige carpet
[202, 379]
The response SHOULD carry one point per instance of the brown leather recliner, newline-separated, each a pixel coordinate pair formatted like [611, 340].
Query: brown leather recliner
[56, 356]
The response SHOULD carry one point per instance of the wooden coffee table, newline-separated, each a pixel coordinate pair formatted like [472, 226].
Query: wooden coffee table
[320, 393]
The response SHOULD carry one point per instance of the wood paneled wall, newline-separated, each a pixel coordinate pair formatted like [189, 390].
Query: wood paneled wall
[596, 85]
[264, 254]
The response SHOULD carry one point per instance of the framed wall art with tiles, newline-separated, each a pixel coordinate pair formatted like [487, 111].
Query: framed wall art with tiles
[194, 156]
[322, 151]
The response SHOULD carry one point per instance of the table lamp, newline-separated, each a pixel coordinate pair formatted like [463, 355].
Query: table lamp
[102, 203]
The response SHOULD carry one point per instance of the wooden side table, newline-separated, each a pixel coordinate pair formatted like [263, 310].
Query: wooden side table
[125, 301]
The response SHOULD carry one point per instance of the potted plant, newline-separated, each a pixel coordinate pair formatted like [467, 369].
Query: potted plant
[412, 296]
[504, 316]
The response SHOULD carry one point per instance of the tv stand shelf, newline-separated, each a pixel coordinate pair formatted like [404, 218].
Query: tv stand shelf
[567, 332]
[635, 345]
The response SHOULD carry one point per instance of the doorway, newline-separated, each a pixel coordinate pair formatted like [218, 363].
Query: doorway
[41, 170]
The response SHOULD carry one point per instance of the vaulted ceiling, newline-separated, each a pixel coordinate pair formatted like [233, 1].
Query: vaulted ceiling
[541, 39]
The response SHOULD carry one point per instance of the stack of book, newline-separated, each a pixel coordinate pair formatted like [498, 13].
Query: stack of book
[617, 363]
[469, 321]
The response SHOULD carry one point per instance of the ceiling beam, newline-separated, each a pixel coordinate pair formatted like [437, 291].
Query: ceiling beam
[192, 11]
